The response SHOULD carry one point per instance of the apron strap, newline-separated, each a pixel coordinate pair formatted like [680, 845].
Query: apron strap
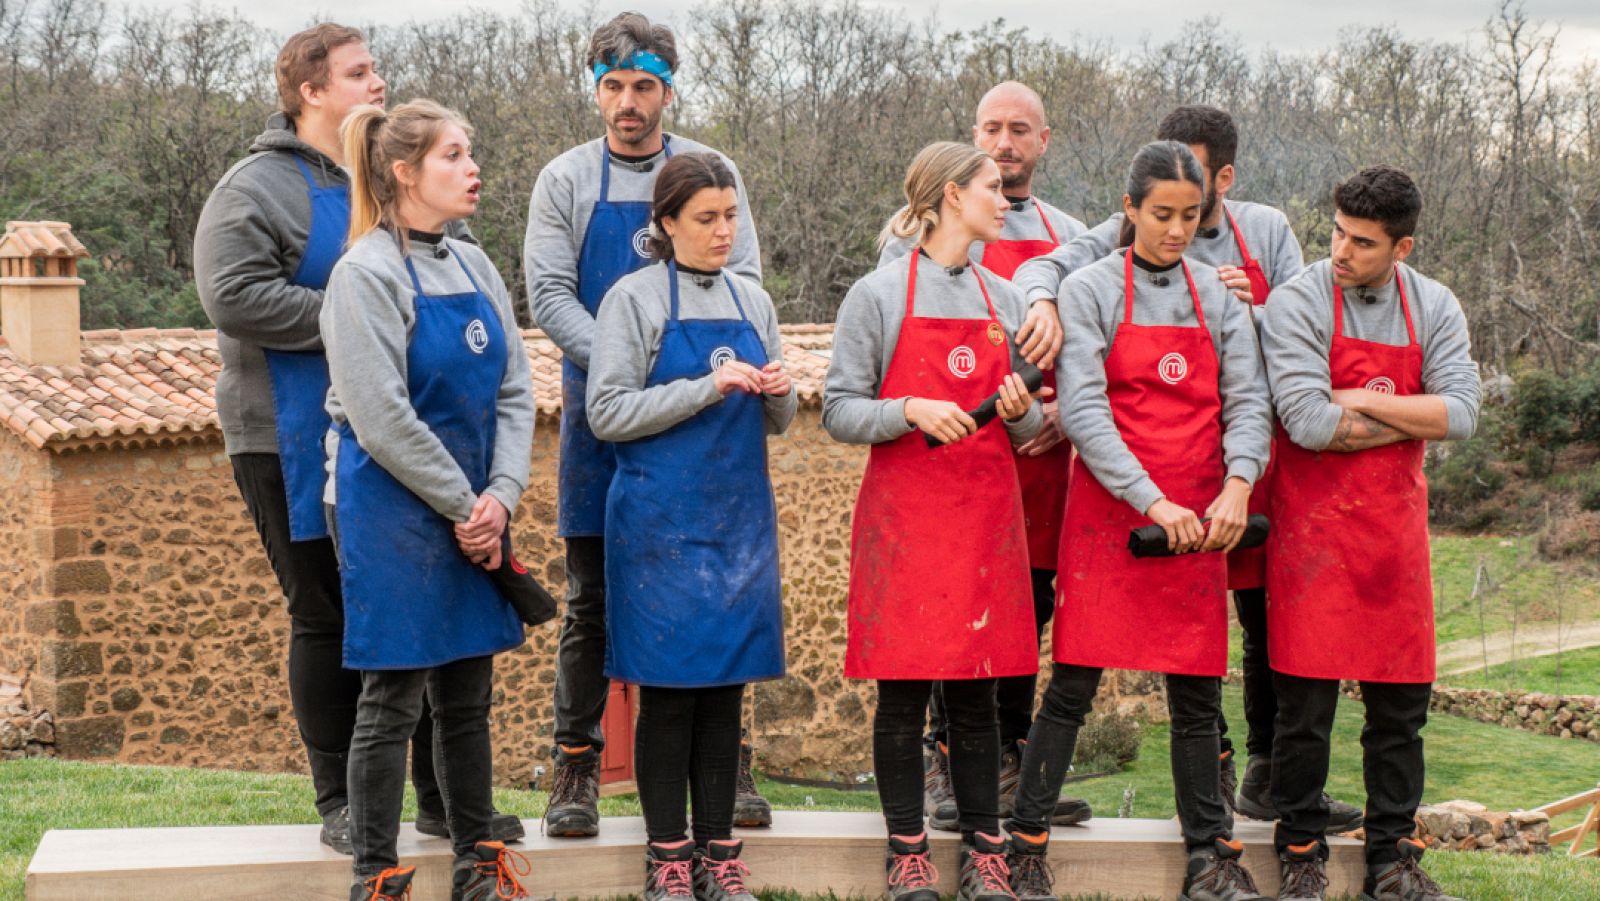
[727, 279]
[464, 268]
[1127, 288]
[1405, 308]
[305, 172]
[415, 284]
[605, 171]
[1046, 220]
[1238, 236]
[911, 288]
[1194, 293]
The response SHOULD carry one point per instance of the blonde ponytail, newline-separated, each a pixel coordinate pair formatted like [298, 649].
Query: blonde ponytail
[366, 204]
[935, 166]
[373, 142]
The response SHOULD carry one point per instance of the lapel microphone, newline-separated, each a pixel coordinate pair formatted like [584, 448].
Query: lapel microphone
[1160, 281]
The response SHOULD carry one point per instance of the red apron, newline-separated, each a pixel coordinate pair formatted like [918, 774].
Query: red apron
[1043, 478]
[939, 585]
[1166, 614]
[1248, 568]
[1350, 588]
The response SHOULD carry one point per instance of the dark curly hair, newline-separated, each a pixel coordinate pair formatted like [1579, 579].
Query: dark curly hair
[1383, 194]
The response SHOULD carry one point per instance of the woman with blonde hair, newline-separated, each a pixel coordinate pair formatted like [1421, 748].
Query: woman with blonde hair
[939, 580]
[432, 410]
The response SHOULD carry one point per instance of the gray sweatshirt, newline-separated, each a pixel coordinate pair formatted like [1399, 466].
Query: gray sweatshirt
[558, 217]
[630, 326]
[1092, 307]
[1266, 230]
[249, 241]
[1297, 336]
[868, 328]
[1022, 224]
[367, 321]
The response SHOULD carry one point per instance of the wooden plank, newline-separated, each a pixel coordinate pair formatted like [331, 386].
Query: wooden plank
[1556, 808]
[806, 851]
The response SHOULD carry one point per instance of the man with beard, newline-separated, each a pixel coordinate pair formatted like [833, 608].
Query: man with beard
[588, 226]
[1011, 127]
[1254, 250]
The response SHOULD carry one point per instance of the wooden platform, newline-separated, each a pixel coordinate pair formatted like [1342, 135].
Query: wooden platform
[809, 852]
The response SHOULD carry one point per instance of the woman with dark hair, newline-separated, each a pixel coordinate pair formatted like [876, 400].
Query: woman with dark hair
[1163, 395]
[686, 377]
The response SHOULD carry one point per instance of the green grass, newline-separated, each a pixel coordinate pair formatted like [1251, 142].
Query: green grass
[1571, 673]
[1502, 768]
[1521, 587]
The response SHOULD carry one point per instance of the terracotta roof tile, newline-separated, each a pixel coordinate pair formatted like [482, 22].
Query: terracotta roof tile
[144, 385]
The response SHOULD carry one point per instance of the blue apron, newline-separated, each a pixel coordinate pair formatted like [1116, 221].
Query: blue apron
[300, 378]
[692, 582]
[614, 244]
[412, 599]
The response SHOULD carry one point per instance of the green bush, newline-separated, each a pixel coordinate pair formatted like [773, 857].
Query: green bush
[1542, 418]
[1463, 481]
[1107, 742]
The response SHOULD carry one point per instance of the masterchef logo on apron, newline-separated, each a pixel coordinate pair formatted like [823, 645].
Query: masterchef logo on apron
[962, 361]
[477, 336]
[722, 355]
[641, 243]
[1173, 368]
[1382, 384]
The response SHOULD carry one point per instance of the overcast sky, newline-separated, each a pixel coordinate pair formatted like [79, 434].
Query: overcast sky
[1297, 25]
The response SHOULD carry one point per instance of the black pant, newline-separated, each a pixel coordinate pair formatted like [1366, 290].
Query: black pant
[974, 740]
[1260, 698]
[1193, 702]
[1013, 694]
[1391, 760]
[581, 683]
[322, 692]
[686, 746]
[391, 705]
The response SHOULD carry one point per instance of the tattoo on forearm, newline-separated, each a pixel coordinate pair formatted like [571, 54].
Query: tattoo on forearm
[1358, 431]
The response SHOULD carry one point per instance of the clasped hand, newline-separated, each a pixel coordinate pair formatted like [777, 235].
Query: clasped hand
[479, 537]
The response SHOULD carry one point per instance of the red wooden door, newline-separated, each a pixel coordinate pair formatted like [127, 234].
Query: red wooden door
[616, 758]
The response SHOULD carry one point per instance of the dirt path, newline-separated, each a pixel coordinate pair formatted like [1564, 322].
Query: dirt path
[1467, 655]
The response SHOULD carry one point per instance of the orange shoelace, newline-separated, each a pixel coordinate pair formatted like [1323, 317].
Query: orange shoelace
[373, 883]
[506, 869]
[993, 870]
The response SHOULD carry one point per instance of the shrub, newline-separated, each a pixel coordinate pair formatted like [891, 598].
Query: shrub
[1106, 742]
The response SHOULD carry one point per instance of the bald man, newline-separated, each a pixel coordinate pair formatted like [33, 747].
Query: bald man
[1011, 127]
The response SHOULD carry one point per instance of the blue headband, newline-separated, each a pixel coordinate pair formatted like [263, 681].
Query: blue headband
[642, 61]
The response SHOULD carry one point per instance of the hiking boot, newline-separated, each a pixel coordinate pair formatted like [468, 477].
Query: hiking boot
[911, 874]
[1228, 781]
[1255, 800]
[1031, 878]
[1071, 812]
[336, 830]
[393, 884]
[503, 827]
[1010, 777]
[490, 872]
[1215, 874]
[1302, 874]
[1402, 880]
[749, 808]
[984, 873]
[574, 810]
[669, 871]
[719, 874]
[938, 797]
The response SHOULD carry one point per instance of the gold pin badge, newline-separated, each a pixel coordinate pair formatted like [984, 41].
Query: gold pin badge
[997, 335]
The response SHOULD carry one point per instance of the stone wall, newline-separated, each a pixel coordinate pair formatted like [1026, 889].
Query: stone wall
[1569, 716]
[1469, 826]
[136, 599]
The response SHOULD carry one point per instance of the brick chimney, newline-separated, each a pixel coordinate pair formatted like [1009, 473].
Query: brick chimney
[39, 292]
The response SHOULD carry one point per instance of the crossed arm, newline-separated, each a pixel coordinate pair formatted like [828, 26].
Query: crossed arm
[1371, 419]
